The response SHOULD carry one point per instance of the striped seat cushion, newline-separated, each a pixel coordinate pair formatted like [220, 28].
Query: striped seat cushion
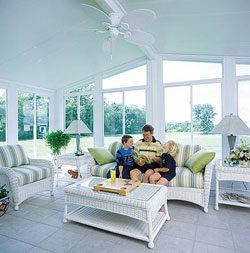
[185, 178]
[27, 174]
[102, 170]
[12, 156]
[186, 151]
[113, 147]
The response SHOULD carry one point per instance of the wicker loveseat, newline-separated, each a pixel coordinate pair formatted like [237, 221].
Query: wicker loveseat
[23, 176]
[185, 186]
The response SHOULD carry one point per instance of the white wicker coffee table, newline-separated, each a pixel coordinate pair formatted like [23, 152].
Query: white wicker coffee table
[140, 214]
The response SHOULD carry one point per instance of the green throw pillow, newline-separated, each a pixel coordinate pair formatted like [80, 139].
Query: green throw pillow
[198, 161]
[101, 155]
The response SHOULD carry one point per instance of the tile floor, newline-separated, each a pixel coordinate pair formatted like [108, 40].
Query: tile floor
[38, 228]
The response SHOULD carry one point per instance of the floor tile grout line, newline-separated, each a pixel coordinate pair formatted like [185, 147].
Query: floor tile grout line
[195, 237]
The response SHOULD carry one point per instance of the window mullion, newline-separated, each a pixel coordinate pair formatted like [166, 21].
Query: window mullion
[191, 114]
[123, 112]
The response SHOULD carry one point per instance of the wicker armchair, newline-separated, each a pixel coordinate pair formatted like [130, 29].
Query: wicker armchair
[25, 179]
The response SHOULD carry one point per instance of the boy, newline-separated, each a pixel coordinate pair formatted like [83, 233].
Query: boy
[167, 171]
[124, 158]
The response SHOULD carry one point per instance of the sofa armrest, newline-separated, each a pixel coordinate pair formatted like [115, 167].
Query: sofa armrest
[43, 163]
[91, 164]
[207, 182]
[8, 177]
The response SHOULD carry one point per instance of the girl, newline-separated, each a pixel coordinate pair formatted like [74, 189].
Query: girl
[167, 172]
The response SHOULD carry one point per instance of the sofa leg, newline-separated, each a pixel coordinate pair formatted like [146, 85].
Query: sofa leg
[16, 207]
[205, 209]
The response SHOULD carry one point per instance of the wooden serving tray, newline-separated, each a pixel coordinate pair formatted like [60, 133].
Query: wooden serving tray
[120, 186]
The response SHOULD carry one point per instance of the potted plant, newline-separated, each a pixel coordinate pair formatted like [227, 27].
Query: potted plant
[56, 141]
[4, 200]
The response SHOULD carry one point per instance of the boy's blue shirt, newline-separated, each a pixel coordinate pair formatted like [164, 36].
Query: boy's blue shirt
[124, 157]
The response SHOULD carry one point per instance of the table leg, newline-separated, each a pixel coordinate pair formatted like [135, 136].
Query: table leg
[150, 231]
[166, 211]
[216, 194]
[79, 172]
[65, 211]
[57, 172]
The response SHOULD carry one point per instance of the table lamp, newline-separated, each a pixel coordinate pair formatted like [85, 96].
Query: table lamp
[231, 125]
[77, 127]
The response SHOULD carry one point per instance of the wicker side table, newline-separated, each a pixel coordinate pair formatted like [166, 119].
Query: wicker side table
[227, 173]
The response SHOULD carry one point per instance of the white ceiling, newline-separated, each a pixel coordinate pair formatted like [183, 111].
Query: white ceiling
[47, 43]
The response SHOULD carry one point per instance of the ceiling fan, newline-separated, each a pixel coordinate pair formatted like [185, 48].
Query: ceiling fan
[127, 26]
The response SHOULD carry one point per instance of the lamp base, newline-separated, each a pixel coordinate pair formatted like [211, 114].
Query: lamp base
[79, 153]
[231, 141]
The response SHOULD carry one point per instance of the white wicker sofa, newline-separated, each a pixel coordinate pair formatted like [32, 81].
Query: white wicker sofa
[23, 176]
[185, 186]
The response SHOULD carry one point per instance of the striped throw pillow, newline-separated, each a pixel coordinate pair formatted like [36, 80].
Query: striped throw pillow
[186, 151]
[12, 156]
[113, 147]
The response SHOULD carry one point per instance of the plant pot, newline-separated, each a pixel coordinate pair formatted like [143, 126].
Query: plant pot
[244, 164]
[4, 204]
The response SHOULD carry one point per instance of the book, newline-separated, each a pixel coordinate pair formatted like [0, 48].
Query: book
[139, 158]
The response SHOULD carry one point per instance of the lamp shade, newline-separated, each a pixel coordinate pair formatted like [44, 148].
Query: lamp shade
[77, 127]
[231, 125]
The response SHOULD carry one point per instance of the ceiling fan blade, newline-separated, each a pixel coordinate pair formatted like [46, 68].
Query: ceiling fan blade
[95, 14]
[139, 18]
[140, 38]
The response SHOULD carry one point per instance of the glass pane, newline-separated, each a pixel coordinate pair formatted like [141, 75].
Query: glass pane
[135, 113]
[2, 116]
[42, 126]
[133, 77]
[86, 87]
[70, 110]
[71, 114]
[206, 114]
[243, 104]
[177, 71]
[112, 117]
[26, 122]
[86, 115]
[242, 69]
[177, 114]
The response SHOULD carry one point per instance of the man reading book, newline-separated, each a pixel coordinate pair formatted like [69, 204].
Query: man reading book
[149, 151]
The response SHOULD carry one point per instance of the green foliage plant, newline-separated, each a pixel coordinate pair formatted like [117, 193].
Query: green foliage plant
[56, 141]
[3, 192]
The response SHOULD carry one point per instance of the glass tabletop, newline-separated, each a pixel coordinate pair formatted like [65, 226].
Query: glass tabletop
[144, 192]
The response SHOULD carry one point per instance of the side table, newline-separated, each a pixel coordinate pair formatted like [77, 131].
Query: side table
[73, 160]
[227, 173]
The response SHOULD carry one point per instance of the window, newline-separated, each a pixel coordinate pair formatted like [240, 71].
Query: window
[177, 71]
[86, 115]
[70, 115]
[135, 113]
[242, 69]
[86, 87]
[2, 117]
[26, 122]
[113, 117]
[133, 77]
[206, 114]
[42, 126]
[33, 124]
[243, 104]
[124, 113]
[177, 114]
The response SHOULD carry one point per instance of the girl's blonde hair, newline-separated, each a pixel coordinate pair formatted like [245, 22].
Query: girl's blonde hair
[174, 149]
